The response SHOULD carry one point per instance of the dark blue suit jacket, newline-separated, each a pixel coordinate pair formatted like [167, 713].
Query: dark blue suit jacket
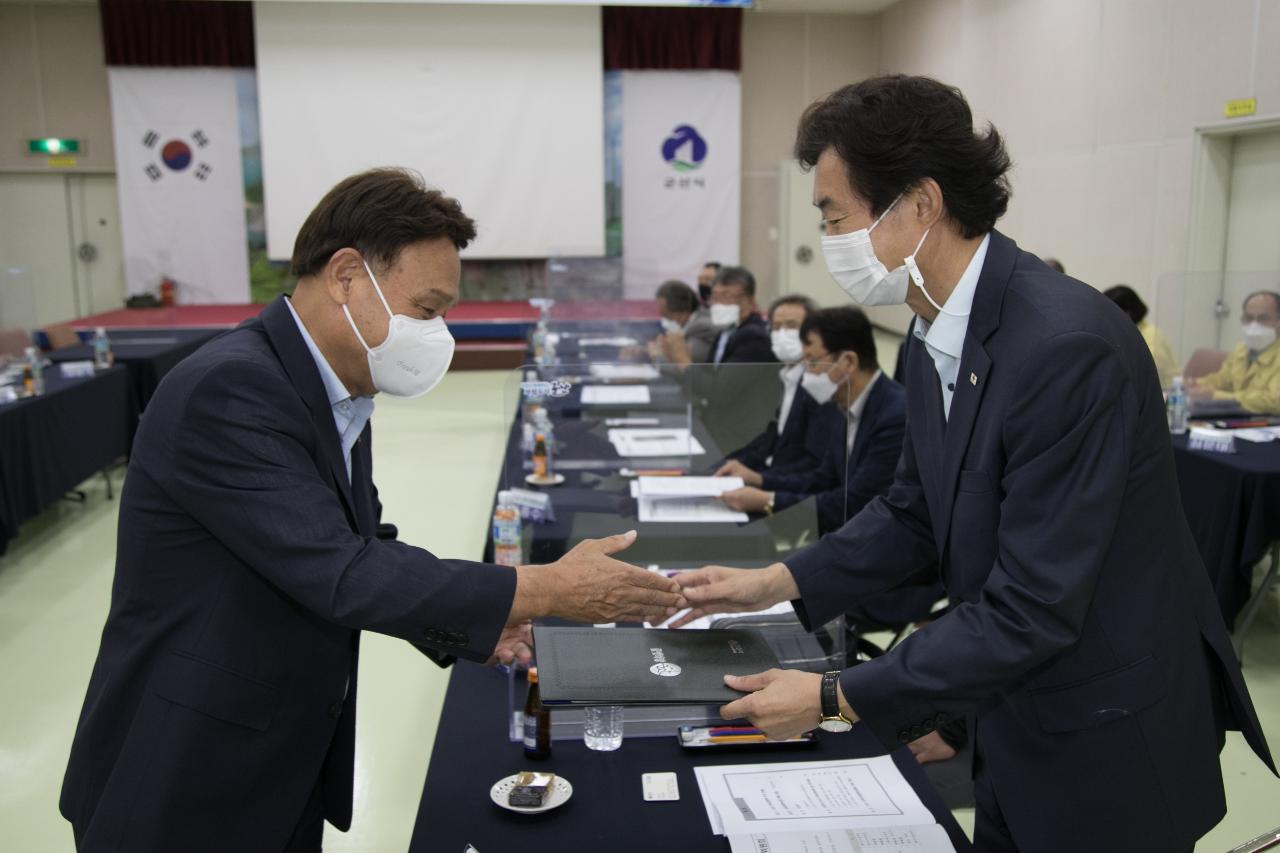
[225, 686]
[793, 448]
[1084, 626]
[845, 481]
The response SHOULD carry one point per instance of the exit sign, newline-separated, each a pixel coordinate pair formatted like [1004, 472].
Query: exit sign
[53, 145]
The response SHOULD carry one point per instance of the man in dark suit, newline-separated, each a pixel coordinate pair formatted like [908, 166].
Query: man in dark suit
[1038, 471]
[786, 442]
[861, 416]
[221, 711]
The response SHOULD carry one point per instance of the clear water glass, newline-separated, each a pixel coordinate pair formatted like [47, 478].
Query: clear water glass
[602, 730]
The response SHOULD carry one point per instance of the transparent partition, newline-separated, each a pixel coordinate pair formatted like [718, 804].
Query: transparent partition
[599, 448]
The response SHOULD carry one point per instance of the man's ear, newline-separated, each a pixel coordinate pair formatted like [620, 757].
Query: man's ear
[926, 200]
[849, 361]
[345, 268]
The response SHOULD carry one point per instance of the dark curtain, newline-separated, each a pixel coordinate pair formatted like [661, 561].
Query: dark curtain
[177, 32]
[672, 39]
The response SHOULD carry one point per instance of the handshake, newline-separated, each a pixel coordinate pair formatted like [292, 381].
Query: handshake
[589, 585]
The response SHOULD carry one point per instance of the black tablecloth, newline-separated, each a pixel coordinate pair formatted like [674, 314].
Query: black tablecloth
[51, 443]
[1232, 502]
[148, 354]
[607, 811]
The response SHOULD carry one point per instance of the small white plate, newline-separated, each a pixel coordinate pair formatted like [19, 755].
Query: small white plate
[535, 480]
[561, 791]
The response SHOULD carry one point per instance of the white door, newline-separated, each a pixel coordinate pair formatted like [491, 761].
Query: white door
[37, 271]
[1252, 256]
[801, 268]
[96, 238]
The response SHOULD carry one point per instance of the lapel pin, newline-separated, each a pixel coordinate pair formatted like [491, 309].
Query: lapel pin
[973, 379]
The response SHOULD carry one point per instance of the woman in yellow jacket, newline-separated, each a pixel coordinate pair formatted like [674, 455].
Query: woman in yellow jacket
[1132, 304]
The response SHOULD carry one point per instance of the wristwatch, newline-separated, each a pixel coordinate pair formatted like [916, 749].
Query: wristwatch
[832, 719]
[768, 507]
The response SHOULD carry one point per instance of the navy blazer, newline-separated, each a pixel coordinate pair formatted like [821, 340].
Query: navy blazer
[225, 686]
[794, 447]
[1084, 627]
[844, 481]
[748, 343]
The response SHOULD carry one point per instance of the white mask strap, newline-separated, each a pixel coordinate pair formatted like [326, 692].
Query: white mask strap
[886, 212]
[376, 288]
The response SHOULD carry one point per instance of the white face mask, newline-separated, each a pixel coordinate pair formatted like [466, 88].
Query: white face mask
[787, 347]
[414, 357]
[819, 385]
[1258, 337]
[669, 325]
[852, 262]
[724, 316]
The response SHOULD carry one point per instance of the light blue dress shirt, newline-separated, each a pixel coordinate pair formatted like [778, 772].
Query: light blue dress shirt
[944, 337]
[350, 414]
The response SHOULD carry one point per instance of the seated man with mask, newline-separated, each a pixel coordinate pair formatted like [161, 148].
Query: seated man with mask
[684, 322]
[1251, 374]
[741, 334]
[783, 444]
[864, 417]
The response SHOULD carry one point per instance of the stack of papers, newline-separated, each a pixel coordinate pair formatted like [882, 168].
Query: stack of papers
[615, 395]
[694, 499]
[633, 372]
[675, 441]
[844, 806]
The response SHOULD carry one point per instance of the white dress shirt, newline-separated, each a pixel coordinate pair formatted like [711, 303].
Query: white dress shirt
[790, 376]
[855, 414]
[944, 337]
[350, 414]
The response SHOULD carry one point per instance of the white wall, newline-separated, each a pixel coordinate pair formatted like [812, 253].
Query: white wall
[1098, 101]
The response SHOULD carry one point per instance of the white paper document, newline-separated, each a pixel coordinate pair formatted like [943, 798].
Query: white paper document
[615, 395]
[697, 510]
[637, 372]
[687, 487]
[656, 441]
[783, 608]
[1257, 434]
[619, 341]
[890, 839]
[808, 796]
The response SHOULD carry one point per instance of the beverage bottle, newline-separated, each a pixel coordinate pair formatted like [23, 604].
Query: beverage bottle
[506, 535]
[35, 367]
[102, 357]
[537, 722]
[1177, 407]
[540, 459]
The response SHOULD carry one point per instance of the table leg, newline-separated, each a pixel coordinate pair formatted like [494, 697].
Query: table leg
[1255, 602]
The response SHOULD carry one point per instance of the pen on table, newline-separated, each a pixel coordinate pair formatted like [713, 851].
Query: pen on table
[736, 730]
[737, 739]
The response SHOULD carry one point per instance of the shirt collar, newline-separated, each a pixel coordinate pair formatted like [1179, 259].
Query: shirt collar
[860, 404]
[792, 373]
[946, 332]
[333, 386]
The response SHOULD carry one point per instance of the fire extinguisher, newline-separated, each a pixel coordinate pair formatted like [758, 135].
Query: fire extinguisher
[166, 292]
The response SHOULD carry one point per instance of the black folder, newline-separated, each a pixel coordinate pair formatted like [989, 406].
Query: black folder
[654, 666]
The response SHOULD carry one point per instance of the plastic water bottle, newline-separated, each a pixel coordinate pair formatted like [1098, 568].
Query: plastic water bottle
[102, 358]
[506, 535]
[1177, 407]
[35, 365]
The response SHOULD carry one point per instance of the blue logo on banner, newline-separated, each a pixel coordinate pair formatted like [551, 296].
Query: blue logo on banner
[684, 149]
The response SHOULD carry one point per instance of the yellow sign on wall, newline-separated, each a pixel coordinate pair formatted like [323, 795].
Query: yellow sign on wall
[61, 162]
[1241, 107]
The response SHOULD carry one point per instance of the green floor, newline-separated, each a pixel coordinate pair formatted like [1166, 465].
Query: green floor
[436, 461]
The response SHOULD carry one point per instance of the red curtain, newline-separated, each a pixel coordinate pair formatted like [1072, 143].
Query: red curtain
[177, 32]
[673, 39]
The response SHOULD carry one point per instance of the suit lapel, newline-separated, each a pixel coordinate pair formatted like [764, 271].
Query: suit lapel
[302, 370]
[924, 404]
[975, 367]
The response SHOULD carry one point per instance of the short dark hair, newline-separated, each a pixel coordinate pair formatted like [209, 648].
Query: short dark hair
[893, 132]
[843, 329]
[1129, 302]
[678, 296]
[1056, 264]
[1275, 297]
[715, 265]
[378, 213]
[736, 275]
[800, 299]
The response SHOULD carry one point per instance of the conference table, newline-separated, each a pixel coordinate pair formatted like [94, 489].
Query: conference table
[606, 811]
[147, 353]
[51, 443]
[1232, 503]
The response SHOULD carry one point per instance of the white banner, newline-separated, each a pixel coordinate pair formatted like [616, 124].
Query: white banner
[681, 174]
[182, 209]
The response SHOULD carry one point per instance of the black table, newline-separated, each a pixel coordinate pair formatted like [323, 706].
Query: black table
[148, 354]
[51, 443]
[606, 812]
[1232, 502]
